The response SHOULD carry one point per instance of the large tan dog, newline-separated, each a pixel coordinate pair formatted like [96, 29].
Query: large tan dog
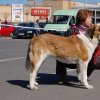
[74, 49]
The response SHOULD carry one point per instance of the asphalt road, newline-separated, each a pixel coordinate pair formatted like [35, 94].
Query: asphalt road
[14, 77]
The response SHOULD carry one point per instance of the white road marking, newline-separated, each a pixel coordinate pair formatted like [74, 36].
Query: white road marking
[5, 38]
[10, 59]
[1, 50]
[69, 70]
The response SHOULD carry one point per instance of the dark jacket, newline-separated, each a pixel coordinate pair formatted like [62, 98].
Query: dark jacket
[72, 30]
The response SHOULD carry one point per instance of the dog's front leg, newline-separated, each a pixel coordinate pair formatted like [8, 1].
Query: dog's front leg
[83, 71]
[79, 75]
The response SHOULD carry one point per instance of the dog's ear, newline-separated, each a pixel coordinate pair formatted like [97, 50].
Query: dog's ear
[92, 27]
[95, 30]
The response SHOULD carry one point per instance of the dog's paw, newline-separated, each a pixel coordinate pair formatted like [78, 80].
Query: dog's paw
[36, 83]
[34, 87]
[89, 87]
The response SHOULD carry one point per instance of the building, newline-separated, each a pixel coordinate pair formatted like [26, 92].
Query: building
[62, 4]
[5, 12]
[69, 4]
[96, 15]
[28, 14]
[41, 10]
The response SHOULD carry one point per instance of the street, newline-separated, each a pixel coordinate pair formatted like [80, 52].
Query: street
[14, 78]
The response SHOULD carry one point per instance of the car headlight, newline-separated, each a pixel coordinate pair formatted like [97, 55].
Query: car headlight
[21, 33]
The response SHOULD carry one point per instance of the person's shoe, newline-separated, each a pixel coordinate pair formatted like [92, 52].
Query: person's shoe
[61, 80]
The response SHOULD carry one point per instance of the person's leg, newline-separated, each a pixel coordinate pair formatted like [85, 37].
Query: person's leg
[61, 71]
[60, 68]
[72, 66]
[91, 67]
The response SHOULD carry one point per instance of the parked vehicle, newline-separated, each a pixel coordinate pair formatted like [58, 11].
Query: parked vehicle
[25, 30]
[60, 21]
[6, 31]
[97, 57]
[42, 25]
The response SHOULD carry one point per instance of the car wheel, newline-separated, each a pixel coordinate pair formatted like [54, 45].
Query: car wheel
[14, 37]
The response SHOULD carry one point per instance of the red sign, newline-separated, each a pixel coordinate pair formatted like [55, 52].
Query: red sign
[39, 12]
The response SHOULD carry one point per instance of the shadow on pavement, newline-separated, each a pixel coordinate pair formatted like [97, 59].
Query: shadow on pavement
[46, 79]
[21, 83]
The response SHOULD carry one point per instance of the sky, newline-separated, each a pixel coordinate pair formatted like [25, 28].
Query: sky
[25, 1]
[13, 1]
[89, 1]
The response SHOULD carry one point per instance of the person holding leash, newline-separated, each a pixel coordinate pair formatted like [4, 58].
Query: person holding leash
[83, 21]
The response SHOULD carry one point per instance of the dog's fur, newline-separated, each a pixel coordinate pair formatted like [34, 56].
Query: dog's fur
[74, 49]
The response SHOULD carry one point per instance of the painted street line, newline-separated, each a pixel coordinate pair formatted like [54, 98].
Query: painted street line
[69, 70]
[10, 59]
[1, 50]
[5, 38]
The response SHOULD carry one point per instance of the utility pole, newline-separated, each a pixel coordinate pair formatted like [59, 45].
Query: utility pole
[34, 8]
[84, 3]
[98, 4]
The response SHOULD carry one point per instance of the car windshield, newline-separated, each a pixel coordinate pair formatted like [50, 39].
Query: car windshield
[59, 19]
[22, 24]
[30, 24]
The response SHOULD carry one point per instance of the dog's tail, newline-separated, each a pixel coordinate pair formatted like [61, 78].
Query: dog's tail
[28, 62]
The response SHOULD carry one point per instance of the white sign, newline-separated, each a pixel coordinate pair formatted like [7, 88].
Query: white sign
[17, 13]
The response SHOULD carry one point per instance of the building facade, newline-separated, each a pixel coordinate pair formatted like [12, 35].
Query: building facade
[41, 10]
